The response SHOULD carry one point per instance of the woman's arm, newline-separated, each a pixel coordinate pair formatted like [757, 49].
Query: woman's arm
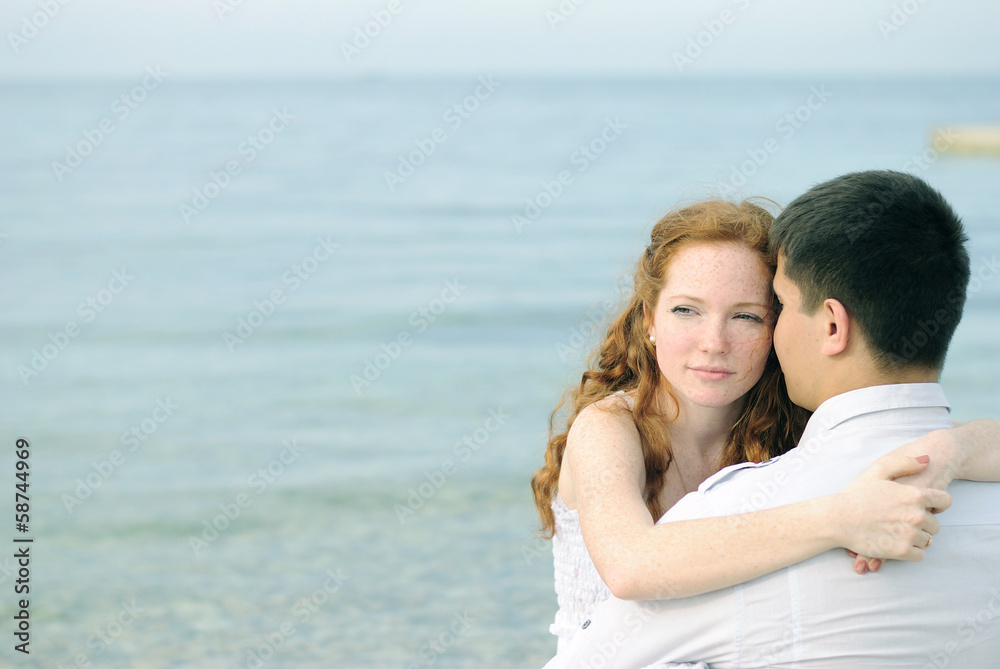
[968, 451]
[640, 560]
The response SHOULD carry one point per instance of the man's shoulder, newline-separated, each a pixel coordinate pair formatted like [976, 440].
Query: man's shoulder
[972, 503]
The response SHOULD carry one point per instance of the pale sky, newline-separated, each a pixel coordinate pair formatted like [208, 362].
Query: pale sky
[305, 38]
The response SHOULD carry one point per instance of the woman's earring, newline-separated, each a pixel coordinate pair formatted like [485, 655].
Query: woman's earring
[652, 339]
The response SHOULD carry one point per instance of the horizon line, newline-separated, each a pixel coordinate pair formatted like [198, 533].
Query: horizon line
[64, 78]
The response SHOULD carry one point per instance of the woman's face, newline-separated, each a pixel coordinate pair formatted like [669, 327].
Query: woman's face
[713, 323]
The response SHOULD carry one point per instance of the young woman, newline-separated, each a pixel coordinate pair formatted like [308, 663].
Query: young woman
[686, 383]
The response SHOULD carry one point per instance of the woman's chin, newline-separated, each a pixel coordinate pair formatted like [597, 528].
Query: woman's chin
[714, 400]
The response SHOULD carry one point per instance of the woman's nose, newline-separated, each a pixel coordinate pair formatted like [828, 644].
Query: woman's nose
[715, 338]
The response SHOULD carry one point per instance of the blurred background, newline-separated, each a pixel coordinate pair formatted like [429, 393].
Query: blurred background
[291, 288]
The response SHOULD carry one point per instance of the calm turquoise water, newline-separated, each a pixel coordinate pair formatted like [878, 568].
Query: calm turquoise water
[368, 516]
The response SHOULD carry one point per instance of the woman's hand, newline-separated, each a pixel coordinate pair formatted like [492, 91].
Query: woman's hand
[881, 518]
[967, 451]
[946, 459]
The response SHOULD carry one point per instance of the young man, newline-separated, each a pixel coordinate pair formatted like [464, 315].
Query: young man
[872, 275]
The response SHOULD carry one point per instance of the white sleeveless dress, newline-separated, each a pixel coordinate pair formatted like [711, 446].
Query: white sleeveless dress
[579, 588]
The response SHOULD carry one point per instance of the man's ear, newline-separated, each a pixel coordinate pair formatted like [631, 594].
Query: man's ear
[836, 327]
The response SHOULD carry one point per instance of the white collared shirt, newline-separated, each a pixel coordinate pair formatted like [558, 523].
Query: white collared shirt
[941, 612]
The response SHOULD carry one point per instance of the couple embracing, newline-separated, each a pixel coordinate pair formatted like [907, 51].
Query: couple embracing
[769, 395]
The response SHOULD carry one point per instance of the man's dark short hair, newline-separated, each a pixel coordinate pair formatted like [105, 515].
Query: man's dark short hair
[891, 250]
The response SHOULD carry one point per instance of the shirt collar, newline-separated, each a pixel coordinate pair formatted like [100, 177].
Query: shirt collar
[841, 408]
[845, 406]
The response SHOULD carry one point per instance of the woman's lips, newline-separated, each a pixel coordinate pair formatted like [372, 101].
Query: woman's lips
[712, 373]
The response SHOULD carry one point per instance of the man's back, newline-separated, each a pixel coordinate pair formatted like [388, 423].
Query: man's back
[941, 612]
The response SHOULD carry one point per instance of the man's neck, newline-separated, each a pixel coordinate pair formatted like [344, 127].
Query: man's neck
[857, 377]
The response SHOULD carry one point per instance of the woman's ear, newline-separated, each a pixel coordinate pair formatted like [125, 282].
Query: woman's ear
[836, 326]
[647, 318]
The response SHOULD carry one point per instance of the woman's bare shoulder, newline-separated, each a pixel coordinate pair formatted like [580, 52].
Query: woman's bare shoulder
[603, 438]
[610, 416]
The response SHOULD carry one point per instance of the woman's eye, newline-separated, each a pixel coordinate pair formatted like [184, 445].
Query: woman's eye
[684, 311]
[750, 317]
